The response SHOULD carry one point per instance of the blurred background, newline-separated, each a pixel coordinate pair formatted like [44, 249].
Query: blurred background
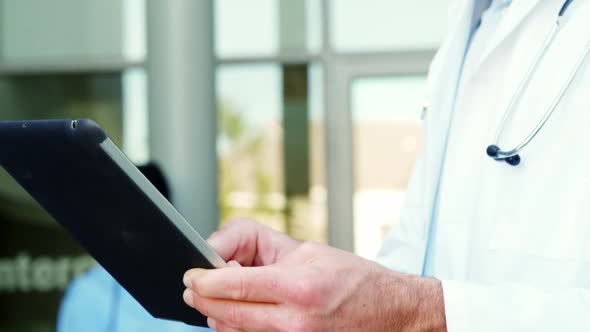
[301, 114]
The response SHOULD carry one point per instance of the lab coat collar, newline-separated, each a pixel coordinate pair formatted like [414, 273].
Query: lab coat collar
[443, 80]
[516, 14]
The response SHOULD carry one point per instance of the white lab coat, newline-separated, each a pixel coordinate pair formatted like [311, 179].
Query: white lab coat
[532, 271]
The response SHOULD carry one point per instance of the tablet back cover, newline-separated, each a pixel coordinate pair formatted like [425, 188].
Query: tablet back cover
[64, 168]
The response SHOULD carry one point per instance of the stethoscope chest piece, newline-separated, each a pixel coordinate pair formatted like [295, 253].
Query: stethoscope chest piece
[493, 152]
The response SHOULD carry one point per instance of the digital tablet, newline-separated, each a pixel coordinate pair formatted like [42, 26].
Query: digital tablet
[88, 185]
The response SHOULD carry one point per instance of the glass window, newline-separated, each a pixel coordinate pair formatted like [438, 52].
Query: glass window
[313, 20]
[250, 145]
[270, 147]
[255, 28]
[317, 219]
[385, 25]
[385, 110]
[246, 28]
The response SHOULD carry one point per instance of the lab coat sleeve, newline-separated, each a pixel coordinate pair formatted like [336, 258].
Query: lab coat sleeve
[515, 307]
[404, 247]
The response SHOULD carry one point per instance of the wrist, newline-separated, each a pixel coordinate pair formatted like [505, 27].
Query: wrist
[417, 303]
[430, 315]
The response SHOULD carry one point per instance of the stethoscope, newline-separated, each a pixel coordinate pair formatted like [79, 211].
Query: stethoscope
[512, 156]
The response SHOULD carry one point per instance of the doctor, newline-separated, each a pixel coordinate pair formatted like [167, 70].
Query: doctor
[483, 244]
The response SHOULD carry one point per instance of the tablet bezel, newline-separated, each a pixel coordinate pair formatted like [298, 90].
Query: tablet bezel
[119, 158]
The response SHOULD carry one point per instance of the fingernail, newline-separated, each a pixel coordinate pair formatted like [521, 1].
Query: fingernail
[190, 275]
[234, 264]
[186, 280]
[188, 297]
[212, 324]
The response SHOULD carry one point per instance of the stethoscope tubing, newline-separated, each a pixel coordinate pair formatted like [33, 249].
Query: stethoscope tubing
[520, 89]
[552, 108]
[501, 155]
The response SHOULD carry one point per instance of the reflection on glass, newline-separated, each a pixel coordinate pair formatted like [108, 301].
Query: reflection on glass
[263, 111]
[387, 138]
[385, 25]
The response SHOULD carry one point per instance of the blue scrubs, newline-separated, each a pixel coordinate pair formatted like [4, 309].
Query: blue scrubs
[95, 302]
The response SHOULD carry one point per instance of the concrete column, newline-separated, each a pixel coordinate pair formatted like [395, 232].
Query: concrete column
[182, 110]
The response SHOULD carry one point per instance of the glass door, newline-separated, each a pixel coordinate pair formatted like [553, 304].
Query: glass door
[386, 140]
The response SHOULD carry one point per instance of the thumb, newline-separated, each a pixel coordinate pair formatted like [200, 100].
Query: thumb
[220, 245]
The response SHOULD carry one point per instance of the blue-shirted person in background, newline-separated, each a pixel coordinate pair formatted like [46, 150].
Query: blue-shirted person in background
[95, 302]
